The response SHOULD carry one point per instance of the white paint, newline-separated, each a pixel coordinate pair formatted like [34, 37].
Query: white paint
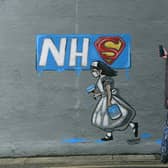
[94, 119]
[95, 64]
[58, 55]
[100, 86]
[109, 134]
[83, 54]
[105, 120]
[98, 120]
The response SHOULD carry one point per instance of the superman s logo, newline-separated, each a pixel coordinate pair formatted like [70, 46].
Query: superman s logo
[109, 48]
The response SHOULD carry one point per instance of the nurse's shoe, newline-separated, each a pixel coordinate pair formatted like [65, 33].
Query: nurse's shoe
[135, 129]
[108, 137]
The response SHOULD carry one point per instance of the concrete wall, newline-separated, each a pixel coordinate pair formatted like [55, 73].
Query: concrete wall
[39, 113]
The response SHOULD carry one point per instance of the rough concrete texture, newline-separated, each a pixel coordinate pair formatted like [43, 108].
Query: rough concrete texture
[38, 112]
[96, 161]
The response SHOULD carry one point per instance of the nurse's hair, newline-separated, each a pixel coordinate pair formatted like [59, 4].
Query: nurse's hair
[106, 70]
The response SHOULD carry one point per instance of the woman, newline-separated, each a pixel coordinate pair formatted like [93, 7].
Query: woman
[164, 144]
[164, 55]
[111, 113]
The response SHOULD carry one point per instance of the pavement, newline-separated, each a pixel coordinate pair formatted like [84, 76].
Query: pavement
[93, 161]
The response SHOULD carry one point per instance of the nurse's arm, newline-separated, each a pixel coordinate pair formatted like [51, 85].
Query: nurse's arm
[108, 89]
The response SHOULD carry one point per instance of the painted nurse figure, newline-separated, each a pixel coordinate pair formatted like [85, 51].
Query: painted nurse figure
[112, 113]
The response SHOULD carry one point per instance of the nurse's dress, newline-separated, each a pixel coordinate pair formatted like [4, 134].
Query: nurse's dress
[101, 117]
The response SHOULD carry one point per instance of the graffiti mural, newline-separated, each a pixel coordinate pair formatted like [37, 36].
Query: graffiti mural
[99, 54]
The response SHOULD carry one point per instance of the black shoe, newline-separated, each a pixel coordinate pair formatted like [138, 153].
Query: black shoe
[135, 129]
[164, 158]
[107, 138]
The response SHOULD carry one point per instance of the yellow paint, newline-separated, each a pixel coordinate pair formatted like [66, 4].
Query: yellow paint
[110, 44]
[108, 60]
[110, 54]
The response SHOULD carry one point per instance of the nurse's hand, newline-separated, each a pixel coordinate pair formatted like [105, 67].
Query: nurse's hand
[164, 57]
[165, 53]
[95, 96]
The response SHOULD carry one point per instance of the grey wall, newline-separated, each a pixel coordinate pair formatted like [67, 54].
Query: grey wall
[39, 112]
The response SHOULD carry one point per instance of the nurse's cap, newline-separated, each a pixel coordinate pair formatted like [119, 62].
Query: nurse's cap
[94, 64]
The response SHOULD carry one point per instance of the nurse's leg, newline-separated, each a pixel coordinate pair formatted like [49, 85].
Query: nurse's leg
[108, 137]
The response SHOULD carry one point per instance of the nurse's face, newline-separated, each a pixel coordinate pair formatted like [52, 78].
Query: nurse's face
[95, 73]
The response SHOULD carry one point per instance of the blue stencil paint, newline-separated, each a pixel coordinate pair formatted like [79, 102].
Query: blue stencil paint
[99, 141]
[145, 136]
[90, 88]
[75, 140]
[158, 141]
[114, 111]
[55, 47]
[82, 140]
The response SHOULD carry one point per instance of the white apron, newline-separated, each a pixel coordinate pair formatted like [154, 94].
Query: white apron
[101, 118]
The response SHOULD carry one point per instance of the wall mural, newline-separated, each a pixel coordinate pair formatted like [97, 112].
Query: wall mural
[100, 54]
